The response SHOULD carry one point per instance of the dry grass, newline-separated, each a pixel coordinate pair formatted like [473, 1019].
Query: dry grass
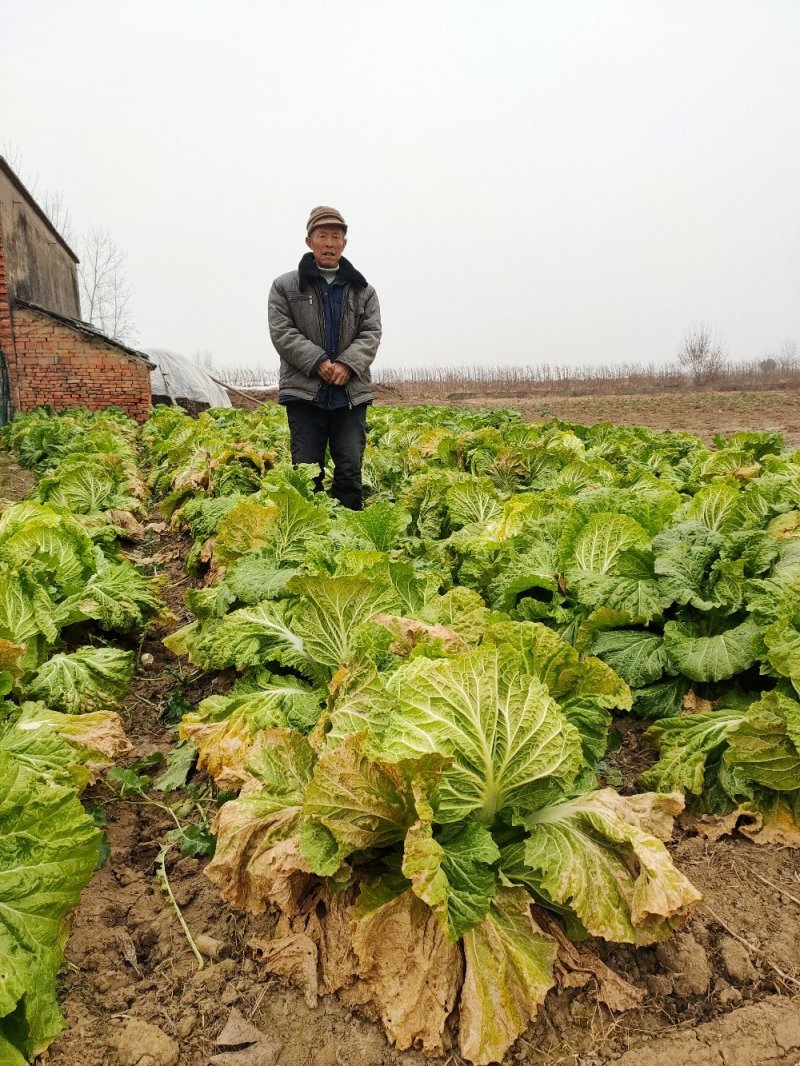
[455, 384]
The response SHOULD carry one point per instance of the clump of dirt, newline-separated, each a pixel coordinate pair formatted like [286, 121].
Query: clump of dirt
[763, 1035]
[629, 753]
[141, 1044]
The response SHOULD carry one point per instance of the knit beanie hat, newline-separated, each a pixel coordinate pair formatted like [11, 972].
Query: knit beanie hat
[324, 216]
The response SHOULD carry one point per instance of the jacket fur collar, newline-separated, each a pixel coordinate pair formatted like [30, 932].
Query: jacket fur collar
[310, 275]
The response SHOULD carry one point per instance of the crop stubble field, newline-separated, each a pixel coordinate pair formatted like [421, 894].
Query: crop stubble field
[721, 991]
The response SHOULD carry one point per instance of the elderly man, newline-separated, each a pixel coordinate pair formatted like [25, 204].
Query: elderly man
[325, 323]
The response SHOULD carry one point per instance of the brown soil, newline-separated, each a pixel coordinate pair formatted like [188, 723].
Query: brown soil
[704, 414]
[14, 481]
[720, 992]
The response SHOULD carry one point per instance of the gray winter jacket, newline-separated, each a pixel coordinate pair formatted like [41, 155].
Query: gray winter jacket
[298, 331]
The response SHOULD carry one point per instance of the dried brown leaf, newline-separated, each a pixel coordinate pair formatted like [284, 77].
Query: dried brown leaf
[709, 826]
[293, 957]
[337, 961]
[127, 948]
[694, 704]
[778, 827]
[408, 632]
[207, 551]
[131, 527]
[409, 976]
[744, 473]
[578, 966]
[326, 918]
[238, 1030]
[103, 732]
[250, 871]
[10, 654]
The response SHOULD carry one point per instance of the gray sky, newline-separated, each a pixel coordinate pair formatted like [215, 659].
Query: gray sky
[525, 181]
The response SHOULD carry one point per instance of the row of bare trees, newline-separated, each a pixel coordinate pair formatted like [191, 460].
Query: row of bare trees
[700, 362]
[702, 357]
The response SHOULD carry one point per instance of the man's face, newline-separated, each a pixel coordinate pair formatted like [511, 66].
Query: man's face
[327, 244]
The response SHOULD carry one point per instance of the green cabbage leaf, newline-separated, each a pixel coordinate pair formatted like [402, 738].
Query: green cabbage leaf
[602, 856]
[504, 732]
[48, 851]
[90, 679]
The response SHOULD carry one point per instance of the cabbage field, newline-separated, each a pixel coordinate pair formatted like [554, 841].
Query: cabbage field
[396, 730]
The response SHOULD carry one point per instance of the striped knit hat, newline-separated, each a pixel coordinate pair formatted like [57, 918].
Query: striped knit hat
[324, 216]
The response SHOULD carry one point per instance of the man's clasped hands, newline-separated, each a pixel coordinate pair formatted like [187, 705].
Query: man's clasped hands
[334, 373]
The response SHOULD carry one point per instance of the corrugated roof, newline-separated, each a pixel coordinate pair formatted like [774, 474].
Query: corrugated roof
[87, 329]
[15, 181]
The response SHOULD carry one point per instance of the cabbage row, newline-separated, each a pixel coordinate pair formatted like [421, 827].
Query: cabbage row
[674, 564]
[424, 690]
[62, 582]
[418, 724]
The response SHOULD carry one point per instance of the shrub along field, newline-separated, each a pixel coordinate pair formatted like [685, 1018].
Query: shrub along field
[491, 764]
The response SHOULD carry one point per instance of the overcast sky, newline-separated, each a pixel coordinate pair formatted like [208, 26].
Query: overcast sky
[526, 182]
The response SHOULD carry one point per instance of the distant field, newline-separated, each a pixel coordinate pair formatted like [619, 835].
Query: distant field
[701, 413]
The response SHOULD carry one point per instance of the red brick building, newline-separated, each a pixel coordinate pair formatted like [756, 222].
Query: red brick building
[47, 354]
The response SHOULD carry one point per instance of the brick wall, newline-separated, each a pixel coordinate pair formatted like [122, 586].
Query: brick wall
[6, 332]
[60, 366]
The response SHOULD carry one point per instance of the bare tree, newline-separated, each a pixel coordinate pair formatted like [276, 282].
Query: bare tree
[788, 352]
[105, 293]
[13, 156]
[52, 203]
[205, 359]
[55, 208]
[701, 354]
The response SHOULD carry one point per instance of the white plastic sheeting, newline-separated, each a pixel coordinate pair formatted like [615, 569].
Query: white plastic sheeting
[180, 379]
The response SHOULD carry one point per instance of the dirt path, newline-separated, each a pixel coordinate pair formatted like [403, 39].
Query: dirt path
[14, 481]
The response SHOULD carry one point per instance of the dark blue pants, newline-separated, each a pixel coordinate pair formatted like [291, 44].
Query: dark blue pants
[313, 429]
